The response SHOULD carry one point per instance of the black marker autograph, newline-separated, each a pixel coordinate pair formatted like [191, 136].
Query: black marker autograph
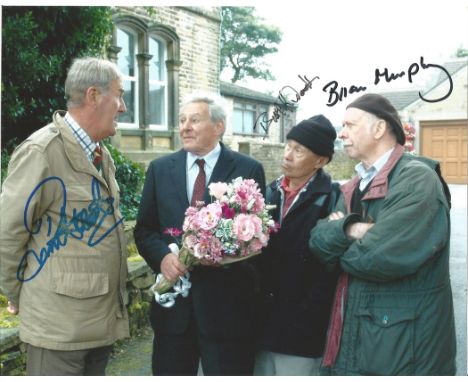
[336, 96]
[413, 69]
[82, 221]
[284, 105]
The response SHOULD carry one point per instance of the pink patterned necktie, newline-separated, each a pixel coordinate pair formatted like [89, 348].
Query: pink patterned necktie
[200, 183]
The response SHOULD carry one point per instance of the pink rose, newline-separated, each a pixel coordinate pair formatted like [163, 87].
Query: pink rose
[200, 250]
[208, 217]
[256, 203]
[256, 245]
[190, 211]
[263, 239]
[245, 226]
[190, 241]
[190, 223]
[218, 190]
[216, 249]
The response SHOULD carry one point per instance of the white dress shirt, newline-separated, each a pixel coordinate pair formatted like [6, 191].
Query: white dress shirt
[369, 174]
[192, 168]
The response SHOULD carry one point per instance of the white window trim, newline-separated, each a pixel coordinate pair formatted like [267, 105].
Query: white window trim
[163, 127]
[135, 79]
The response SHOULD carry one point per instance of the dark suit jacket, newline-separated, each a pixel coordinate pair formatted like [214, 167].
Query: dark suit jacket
[221, 299]
[297, 291]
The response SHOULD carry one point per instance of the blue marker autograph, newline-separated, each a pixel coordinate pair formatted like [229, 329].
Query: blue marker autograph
[82, 221]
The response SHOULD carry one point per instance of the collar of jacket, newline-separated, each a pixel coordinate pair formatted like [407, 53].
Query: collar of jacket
[379, 185]
[321, 184]
[75, 153]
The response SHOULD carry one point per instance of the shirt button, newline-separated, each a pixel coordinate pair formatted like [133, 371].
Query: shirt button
[385, 320]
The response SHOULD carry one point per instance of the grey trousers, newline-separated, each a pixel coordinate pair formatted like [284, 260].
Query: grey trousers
[44, 362]
[269, 363]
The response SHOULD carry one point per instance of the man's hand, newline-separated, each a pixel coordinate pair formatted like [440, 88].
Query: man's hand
[354, 230]
[11, 308]
[336, 216]
[358, 230]
[172, 268]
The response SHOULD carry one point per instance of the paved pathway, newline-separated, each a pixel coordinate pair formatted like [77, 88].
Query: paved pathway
[134, 357]
[458, 269]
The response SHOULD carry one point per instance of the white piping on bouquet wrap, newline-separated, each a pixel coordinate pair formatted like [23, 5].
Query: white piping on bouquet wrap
[182, 286]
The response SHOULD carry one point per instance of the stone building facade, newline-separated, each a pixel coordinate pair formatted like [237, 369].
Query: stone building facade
[166, 53]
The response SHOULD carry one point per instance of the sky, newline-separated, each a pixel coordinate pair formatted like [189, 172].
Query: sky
[342, 41]
[346, 41]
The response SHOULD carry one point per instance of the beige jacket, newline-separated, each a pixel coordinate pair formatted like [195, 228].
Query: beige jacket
[62, 245]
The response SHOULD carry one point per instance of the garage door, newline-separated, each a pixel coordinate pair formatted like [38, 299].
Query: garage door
[446, 141]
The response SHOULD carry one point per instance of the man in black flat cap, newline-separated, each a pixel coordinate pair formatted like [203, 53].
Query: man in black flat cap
[296, 290]
[390, 235]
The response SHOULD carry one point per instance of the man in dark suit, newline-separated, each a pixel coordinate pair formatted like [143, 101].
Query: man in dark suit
[215, 322]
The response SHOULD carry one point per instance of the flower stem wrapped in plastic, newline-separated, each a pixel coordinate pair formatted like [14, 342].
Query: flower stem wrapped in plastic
[234, 227]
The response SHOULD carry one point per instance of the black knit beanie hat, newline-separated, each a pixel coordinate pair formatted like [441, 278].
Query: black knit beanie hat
[382, 108]
[317, 134]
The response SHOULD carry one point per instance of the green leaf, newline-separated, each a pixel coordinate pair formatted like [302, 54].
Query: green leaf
[245, 39]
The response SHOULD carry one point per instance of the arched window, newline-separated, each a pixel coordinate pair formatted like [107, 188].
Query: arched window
[157, 83]
[127, 63]
[148, 56]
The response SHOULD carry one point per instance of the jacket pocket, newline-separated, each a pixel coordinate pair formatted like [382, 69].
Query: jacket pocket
[78, 276]
[386, 341]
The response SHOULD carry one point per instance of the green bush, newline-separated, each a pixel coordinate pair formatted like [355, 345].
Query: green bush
[130, 177]
[5, 160]
[6, 156]
[38, 46]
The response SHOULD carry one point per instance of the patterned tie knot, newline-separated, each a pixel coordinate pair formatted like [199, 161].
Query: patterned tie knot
[201, 164]
[97, 161]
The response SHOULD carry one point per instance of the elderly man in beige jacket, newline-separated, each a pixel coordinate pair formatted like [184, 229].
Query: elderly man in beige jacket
[62, 246]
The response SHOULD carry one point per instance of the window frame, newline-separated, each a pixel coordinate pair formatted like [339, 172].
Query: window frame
[165, 125]
[260, 107]
[135, 79]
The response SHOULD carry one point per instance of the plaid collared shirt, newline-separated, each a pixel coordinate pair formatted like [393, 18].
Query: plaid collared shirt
[81, 136]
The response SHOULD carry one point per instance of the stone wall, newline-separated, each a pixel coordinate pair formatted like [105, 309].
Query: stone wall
[341, 167]
[198, 29]
[271, 155]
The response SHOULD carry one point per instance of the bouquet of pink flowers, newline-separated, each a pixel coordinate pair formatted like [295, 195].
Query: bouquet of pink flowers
[234, 227]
